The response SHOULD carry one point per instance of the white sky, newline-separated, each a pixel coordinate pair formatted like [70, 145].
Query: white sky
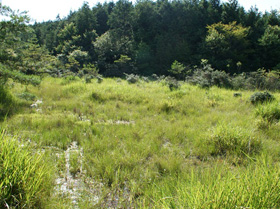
[48, 10]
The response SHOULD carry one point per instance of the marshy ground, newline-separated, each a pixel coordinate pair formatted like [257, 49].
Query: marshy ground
[119, 145]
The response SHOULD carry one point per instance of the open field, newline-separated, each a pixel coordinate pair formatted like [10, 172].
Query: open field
[119, 145]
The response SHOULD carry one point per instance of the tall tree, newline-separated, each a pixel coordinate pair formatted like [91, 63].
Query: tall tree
[14, 49]
[270, 42]
[227, 45]
[230, 11]
[86, 23]
[101, 13]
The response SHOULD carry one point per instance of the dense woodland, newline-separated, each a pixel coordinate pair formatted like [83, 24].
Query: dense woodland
[148, 36]
[144, 38]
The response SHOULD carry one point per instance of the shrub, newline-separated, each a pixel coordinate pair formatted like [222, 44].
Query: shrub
[99, 79]
[145, 79]
[96, 96]
[7, 102]
[88, 78]
[227, 140]
[260, 97]
[239, 81]
[178, 70]
[206, 77]
[172, 83]
[166, 106]
[131, 78]
[272, 81]
[260, 80]
[220, 79]
[17, 76]
[256, 80]
[237, 94]
[27, 96]
[25, 180]
[154, 77]
[90, 69]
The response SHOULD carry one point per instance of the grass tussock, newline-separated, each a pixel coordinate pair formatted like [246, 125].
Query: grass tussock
[220, 186]
[25, 178]
[269, 112]
[228, 140]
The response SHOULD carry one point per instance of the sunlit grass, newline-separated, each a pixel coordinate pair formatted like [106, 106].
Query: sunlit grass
[25, 177]
[152, 147]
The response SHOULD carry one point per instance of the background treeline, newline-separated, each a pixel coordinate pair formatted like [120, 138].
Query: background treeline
[147, 37]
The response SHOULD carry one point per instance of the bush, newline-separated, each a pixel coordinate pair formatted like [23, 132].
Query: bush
[7, 102]
[17, 76]
[27, 96]
[226, 140]
[88, 78]
[131, 78]
[257, 80]
[260, 97]
[25, 180]
[99, 79]
[178, 70]
[239, 81]
[172, 83]
[272, 81]
[206, 77]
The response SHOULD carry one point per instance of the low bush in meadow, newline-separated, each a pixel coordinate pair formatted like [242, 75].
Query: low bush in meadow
[261, 97]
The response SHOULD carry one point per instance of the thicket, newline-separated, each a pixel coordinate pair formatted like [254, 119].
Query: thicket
[146, 37]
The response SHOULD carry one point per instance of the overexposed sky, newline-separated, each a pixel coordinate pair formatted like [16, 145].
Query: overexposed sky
[49, 9]
[262, 5]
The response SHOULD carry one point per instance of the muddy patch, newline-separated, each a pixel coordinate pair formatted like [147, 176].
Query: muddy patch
[72, 182]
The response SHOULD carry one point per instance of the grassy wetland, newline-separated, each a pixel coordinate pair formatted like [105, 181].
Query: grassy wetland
[112, 144]
[81, 126]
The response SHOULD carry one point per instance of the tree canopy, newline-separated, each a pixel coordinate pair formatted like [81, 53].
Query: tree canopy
[152, 34]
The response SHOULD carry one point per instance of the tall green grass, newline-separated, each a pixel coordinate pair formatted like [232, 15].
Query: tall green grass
[269, 112]
[25, 178]
[147, 146]
[221, 186]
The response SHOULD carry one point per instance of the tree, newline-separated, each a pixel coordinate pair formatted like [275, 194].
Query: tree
[67, 39]
[121, 19]
[227, 45]
[178, 70]
[270, 42]
[86, 23]
[144, 59]
[12, 29]
[230, 12]
[102, 14]
[109, 49]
